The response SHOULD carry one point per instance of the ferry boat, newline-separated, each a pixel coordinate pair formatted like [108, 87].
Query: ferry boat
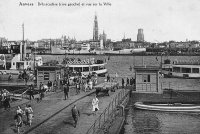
[176, 107]
[88, 66]
[181, 69]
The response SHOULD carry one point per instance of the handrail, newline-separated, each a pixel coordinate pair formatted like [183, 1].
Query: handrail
[108, 113]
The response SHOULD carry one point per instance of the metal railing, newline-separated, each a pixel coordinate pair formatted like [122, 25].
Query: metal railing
[109, 113]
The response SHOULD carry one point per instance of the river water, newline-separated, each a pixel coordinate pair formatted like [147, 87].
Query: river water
[151, 122]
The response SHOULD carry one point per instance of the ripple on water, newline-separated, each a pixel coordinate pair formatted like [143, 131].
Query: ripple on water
[165, 122]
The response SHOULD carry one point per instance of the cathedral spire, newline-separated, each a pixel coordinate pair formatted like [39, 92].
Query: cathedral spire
[95, 29]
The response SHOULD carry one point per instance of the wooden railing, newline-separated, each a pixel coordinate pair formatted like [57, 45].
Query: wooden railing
[110, 112]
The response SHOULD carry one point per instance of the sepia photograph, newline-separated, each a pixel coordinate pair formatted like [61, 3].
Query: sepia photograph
[99, 67]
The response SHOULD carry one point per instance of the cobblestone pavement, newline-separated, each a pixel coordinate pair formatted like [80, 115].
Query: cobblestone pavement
[63, 122]
[41, 110]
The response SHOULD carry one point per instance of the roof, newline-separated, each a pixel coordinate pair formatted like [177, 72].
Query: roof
[155, 68]
[49, 68]
[187, 66]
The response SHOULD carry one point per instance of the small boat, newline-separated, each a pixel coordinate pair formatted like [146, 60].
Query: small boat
[176, 107]
[179, 69]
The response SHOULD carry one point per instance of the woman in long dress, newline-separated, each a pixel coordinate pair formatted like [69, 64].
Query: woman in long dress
[95, 105]
[29, 114]
[90, 84]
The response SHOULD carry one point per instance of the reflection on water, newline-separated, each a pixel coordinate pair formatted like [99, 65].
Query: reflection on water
[154, 122]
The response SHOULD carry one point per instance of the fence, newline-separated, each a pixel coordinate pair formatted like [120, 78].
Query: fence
[109, 113]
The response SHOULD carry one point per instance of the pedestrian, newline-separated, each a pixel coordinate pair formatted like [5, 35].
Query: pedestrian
[18, 121]
[31, 88]
[41, 86]
[55, 84]
[6, 99]
[75, 115]
[85, 86]
[26, 79]
[18, 112]
[3, 98]
[122, 82]
[90, 84]
[29, 114]
[127, 81]
[108, 78]
[66, 90]
[26, 113]
[49, 84]
[61, 84]
[77, 87]
[42, 93]
[95, 104]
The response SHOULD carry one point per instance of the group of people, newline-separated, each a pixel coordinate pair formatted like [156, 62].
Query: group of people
[52, 86]
[84, 84]
[130, 82]
[27, 112]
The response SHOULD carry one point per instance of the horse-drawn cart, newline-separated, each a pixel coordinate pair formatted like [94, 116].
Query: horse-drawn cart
[106, 87]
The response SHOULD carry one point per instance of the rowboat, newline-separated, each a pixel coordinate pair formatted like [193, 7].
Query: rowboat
[176, 107]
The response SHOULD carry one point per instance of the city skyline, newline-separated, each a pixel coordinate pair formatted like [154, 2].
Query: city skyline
[161, 20]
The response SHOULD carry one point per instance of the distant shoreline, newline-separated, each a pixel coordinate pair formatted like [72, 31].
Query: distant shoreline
[110, 54]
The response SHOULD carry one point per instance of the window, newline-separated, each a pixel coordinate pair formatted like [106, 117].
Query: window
[195, 70]
[26, 63]
[13, 63]
[101, 67]
[46, 76]
[176, 69]
[78, 69]
[186, 70]
[94, 68]
[146, 78]
[85, 69]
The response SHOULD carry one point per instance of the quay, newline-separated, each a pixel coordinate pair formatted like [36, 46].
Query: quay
[53, 114]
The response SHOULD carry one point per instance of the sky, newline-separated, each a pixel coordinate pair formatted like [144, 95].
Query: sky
[161, 20]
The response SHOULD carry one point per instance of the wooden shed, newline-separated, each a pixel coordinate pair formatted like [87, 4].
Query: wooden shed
[46, 73]
[147, 79]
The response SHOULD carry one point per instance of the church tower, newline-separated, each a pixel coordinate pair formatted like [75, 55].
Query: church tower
[140, 35]
[95, 29]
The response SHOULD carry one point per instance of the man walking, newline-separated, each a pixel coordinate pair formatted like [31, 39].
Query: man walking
[55, 84]
[66, 90]
[75, 115]
[49, 84]
[31, 88]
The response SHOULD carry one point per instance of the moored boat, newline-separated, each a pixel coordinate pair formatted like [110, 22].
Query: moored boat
[86, 67]
[181, 70]
[176, 107]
